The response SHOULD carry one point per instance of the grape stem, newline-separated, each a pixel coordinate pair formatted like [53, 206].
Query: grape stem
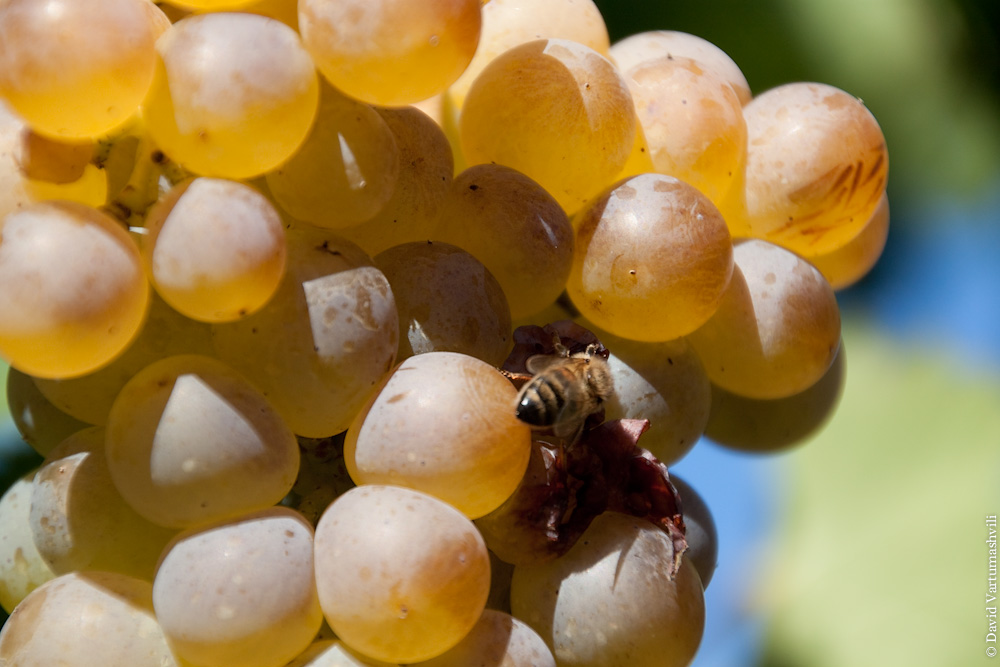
[138, 173]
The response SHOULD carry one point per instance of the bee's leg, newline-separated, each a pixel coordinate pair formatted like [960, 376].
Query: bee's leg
[569, 431]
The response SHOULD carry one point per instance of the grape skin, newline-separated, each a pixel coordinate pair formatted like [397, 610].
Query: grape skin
[104, 75]
[777, 329]
[22, 568]
[73, 293]
[402, 576]
[245, 115]
[443, 423]
[189, 440]
[220, 271]
[95, 619]
[240, 592]
[611, 600]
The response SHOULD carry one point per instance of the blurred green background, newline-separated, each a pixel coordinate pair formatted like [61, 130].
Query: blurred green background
[866, 545]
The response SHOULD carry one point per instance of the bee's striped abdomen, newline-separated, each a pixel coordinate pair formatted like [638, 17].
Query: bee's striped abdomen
[542, 400]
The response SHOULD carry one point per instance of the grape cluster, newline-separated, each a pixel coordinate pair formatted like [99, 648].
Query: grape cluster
[273, 275]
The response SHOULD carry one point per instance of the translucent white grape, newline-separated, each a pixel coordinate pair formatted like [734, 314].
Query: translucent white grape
[852, 261]
[402, 576]
[817, 166]
[72, 290]
[516, 228]
[778, 424]
[426, 166]
[498, 640]
[508, 23]
[333, 653]
[87, 619]
[346, 169]
[22, 568]
[391, 52]
[444, 424]
[447, 301]
[652, 260]
[66, 67]
[65, 172]
[164, 333]
[323, 343]
[611, 601]
[215, 249]
[654, 44]
[247, 112]
[555, 110]
[189, 440]
[664, 383]
[777, 328]
[240, 592]
[81, 522]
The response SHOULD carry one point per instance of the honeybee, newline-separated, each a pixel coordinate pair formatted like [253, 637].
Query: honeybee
[565, 389]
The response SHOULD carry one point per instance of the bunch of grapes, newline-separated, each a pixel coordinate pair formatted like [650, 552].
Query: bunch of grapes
[363, 332]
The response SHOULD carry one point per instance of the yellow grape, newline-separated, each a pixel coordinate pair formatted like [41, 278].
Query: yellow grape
[164, 333]
[640, 159]
[286, 11]
[443, 424]
[94, 619]
[402, 576]
[34, 167]
[22, 568]
[426, 167]
[774, 425]
[345, 171]
[324, 341]
[817, 166]
[212, 5]
[653, 258]
[557, 111]
[777, 329]
[852, 261]
[240, 592]
[80, 521]
[509, 23]
[72, 290]
[66, 68]
[244, 115]
[447, 301]
[694, 127]
[513, 226]
[655, 44]
[613, 600]
[390, 52]
[215, 249]
[40, 423]
[496, 639]
[189, 441]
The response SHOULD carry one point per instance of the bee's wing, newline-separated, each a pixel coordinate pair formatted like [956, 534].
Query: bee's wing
[569, 430]
[540, 362]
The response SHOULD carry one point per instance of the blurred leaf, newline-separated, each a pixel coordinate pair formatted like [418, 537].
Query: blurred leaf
[882, 558]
